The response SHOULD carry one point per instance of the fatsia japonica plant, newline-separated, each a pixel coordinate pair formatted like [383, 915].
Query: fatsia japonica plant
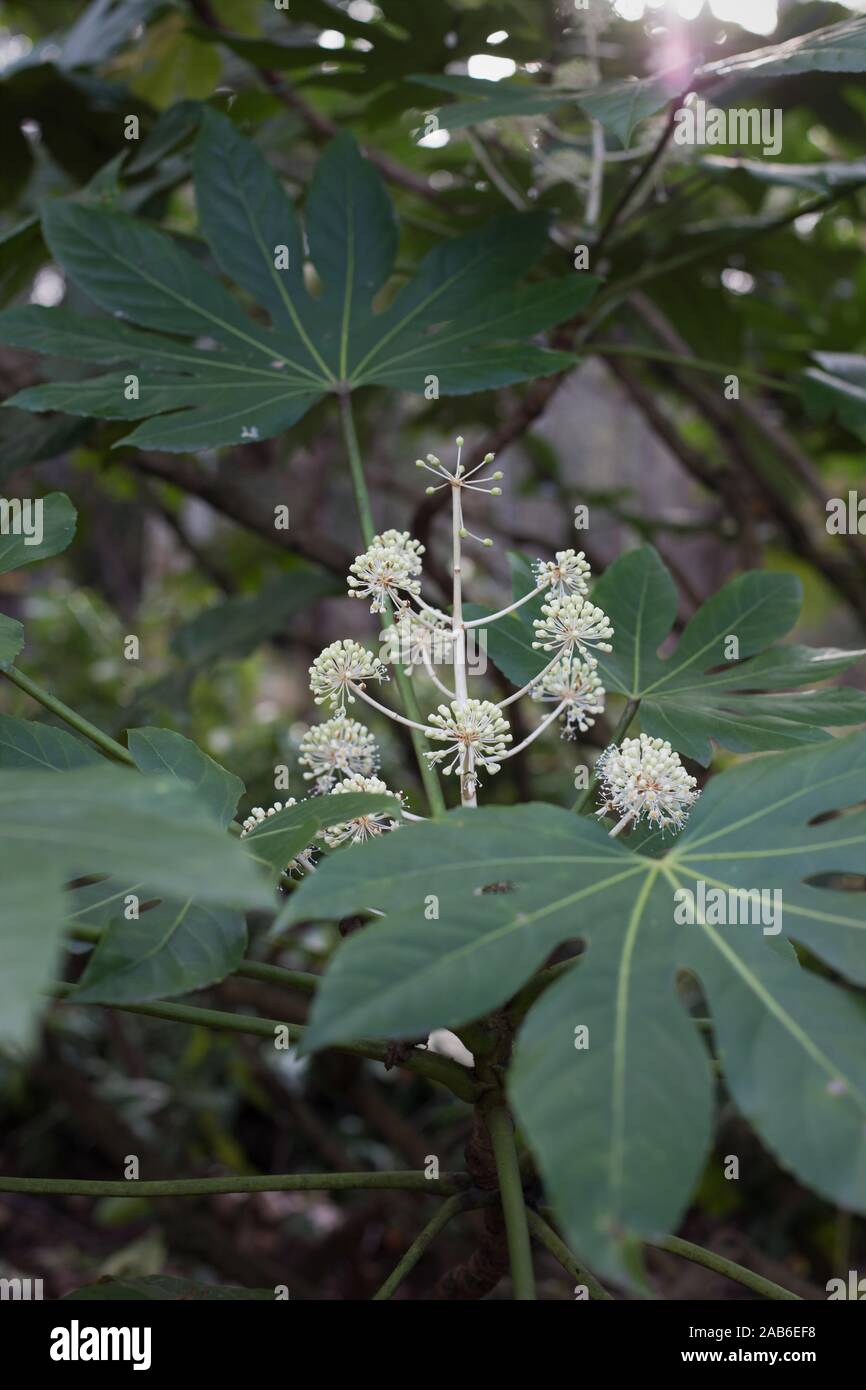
[581, 976]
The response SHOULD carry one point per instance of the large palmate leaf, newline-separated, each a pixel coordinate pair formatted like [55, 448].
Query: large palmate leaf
[56, 826]
[736, 692]
[791, 1045]
[200, 372]
[619, 1118]
[746, 695]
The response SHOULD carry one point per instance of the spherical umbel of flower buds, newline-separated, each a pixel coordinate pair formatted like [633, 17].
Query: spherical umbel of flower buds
[476, 733]
[572, 622]
[646, 779]
[568, 573]
[303, 861]
[341, 747]
[575, 682]
[339, 665]
[368, 826]
[388, 567]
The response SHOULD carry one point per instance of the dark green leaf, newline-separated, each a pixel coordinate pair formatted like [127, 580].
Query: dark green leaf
[34, 529]
[173, 948]
[163, 751]
[25, 744]
[11, 640]
[238, 626]
[240, 380]
[108, 820]
[281, 837]
[708, 688]
[619, 1148]
[835, 48]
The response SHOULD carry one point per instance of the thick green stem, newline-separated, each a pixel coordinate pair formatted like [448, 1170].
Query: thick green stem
[428, 1064]
[547, 1237]
[513, 1206]
[710, 1260]
[619, 734]
[445, 1185]
[368, 530]
[420, 1244]
[299, 980]
[109, 746]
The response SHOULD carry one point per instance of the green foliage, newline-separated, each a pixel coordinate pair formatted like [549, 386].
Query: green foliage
[236, 627]
[619, 1146]
[41, 747]
[744, 696]
[225, 311]
[620, 106]
[172, 948]
[58, 826]
[162, 751]
[193, 398]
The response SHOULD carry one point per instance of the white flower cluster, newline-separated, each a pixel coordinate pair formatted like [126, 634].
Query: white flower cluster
[341, 747]
[572, 622]
[363, 827]
[302, 862]
[568, 573]
[645, 778]
[476, 734]
[339, 666]
[575, 682]
[390, 565]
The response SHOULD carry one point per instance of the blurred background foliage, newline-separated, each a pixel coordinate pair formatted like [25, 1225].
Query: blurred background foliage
[181, 551]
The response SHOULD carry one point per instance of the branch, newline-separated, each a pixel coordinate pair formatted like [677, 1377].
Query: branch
[511, 1191]
[710, 1260]
[232, 499]
[547, 1237]
[421, 1243]
[109, 746]
[443, 1186]
[428, 1064]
